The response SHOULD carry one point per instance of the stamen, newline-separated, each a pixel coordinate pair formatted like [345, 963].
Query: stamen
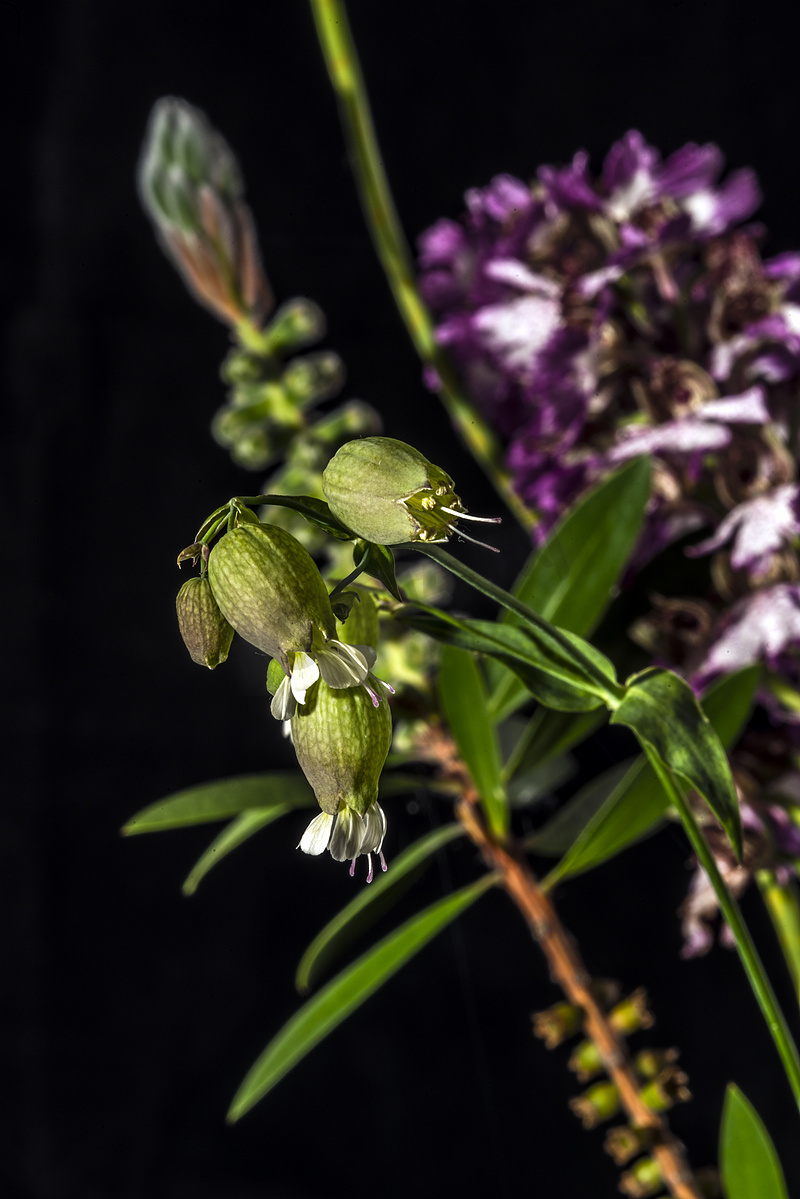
[353, 868]
[474, 540]
[486, 520]
[384, 867]
[369, 863]
[376, 699]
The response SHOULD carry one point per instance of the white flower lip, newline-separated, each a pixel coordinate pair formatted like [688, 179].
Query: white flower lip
[316, 838]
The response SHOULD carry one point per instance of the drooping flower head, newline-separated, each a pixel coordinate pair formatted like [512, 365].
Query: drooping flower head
[342, 740]
[269, 589]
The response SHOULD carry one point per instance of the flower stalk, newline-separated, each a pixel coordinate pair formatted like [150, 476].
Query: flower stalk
[380, 213]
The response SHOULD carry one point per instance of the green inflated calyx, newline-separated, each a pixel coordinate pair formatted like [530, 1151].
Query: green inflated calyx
[342, 740]
[389, 493]
[206, 633]
[269, 589]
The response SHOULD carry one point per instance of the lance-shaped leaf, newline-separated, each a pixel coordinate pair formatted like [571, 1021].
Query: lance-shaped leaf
[343, 994]
[331, 939]
[551, 673]
[662, 711]
[463, 697]
[635, 804]
[749, 1164]
[570, 580]
[281, 791]
[233, 835]
[315, 511]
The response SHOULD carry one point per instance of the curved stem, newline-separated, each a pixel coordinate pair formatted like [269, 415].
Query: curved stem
[753, 967]
[344, 70]
[781, 901]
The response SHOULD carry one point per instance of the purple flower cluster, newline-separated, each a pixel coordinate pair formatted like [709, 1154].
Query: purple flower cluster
[595, 319]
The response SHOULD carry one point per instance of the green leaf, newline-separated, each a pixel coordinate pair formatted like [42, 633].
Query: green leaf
[463, 697]
[378, 561]
[749, 1164]
[549, 734]
[570, 580]
[330, 940]
[550, 673]
[283, 789]
[662, 710]
[315, 511]
[560, 833]
[234, 834]
[636, 804]
[346, 992]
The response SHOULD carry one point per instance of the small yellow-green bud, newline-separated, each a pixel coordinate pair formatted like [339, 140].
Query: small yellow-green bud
[389, 493]
[586, 1061]
[642, 1180]
[632, 1014]
[599, 1103]
[206, 633]
[557, 1023]
[623, 1142]
[268, 587]
[342, 739]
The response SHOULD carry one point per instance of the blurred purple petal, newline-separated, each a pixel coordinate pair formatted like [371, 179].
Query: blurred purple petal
[760, 526]
[628, 174]
[691, 169]
[759, 628]
[748, 408]
[674, 437]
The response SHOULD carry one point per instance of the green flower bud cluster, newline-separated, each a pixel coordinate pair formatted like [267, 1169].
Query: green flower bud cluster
[191, 187]
[388, 492]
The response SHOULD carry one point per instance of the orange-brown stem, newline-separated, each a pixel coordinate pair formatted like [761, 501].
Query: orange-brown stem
[569, 972]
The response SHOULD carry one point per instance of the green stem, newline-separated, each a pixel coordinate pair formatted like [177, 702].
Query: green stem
[783, 905]
[753, 968]
[610, 691]
[344, 70]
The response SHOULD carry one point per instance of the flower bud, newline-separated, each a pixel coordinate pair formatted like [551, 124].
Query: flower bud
[389, 493]
[268, 587]
[190, 185]
[205, 631]
[342, 741]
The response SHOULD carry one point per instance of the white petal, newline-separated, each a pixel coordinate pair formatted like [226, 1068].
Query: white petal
[348, 835]
[305, 673]
[375, 820]
[316, 837]
[283, 705]
[342, 665]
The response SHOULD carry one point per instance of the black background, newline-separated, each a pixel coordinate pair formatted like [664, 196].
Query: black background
[130, 1014]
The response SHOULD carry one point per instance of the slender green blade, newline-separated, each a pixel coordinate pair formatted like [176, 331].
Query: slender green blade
[560, 833]
[636, 804]
[749, 1164]
[549, 671]
[222, 799]
[330, 939]
[548, 735]
[240, 829]
[343, 994]
[570, 580]
[661, 709]
[463, 697]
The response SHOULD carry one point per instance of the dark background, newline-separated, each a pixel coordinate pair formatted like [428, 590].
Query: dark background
[130, 1015]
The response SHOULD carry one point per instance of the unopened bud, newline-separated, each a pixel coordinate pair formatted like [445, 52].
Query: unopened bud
[269, 588]
[205, 631]
[632, 1014]
[664, 1092]
[297, 323]
[557, 1023]
[314, 377]
[642, 1180]
[650, 1062]
[342, 740]
[586, 1061]
[389, 493]
[623, 1142]
[599, 1103]
[191, 187]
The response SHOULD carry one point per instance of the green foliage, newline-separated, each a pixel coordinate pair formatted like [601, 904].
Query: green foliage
[749, 1164]
[662, 710]
[233, 835]
[378, 561]
[551, 674]
[570, 580]
[331, 939]
[463, 697]
[613, 811]
[279, 791]
[336, 1001]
